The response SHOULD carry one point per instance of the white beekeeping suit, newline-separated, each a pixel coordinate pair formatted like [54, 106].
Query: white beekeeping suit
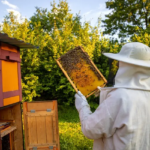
[122, 120]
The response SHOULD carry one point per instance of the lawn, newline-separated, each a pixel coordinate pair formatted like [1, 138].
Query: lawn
[70, 134]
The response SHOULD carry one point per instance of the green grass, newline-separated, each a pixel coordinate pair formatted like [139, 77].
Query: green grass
[70, 134]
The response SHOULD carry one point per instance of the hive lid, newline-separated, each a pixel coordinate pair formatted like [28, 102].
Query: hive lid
[13, 41]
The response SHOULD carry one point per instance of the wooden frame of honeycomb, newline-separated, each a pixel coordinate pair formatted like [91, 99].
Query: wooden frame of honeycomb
[81, 71]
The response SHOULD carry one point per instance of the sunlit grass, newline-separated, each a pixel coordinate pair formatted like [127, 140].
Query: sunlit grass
[70, 134]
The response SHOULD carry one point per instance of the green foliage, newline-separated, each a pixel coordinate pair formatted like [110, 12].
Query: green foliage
[30, 87]
[127, 17]
[71, 136]
[55, 31]
[143, 38]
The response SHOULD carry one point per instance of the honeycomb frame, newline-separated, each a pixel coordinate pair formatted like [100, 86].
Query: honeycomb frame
[84, 63]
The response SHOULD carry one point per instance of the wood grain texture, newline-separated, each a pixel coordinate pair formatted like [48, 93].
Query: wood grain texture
[41, 129]
[40, 106]
[49, 131]
[14, 113]
[0, 141]
[25, 125]
[32, 129]
[8, 47]
[18, 133]
[8, 130]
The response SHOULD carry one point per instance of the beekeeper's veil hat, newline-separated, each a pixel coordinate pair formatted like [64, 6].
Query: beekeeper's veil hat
[133, 53]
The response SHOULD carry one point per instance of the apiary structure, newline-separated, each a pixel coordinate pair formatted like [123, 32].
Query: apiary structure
[35, 115]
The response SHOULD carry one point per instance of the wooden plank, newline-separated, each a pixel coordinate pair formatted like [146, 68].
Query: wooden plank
[25, 125]
[9, 56]
[57, 129]
[54, 129]
[45, 125]
[18, 135]
[41, 130]
[6, 114]
[40, 106]
[39, 113]
[32, 128]
[0, 141]
[49, 129]
[12, 121]
[10, 100]
[8, 47]
[11, 137]
[8, 130]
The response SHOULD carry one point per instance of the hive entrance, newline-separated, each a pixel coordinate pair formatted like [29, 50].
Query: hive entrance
[81, 71]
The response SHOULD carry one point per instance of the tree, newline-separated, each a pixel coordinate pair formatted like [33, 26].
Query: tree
[127, 17]
[41, 76]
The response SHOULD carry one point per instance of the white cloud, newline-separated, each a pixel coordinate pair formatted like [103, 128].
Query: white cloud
[17, 14]
[14, 9]
[87, 13]
[1, 26]
[1, 23]
[8, 4]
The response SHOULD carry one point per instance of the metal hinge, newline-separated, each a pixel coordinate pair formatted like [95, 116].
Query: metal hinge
[50, 147]
[49, 110]
[32, 111]
[34, 148]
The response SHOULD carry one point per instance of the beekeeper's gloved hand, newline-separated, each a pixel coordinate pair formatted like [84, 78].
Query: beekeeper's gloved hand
[80, 101]
[99, 88]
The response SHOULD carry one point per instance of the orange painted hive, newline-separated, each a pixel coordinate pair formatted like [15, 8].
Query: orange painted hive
[10, 75]
[81, 71]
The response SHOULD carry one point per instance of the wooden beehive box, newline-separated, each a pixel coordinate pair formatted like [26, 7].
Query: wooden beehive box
[41, 125]
[10, 75]
[40, 118]
[81, 71]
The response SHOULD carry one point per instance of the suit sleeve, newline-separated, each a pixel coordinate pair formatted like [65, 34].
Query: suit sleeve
[100, 123]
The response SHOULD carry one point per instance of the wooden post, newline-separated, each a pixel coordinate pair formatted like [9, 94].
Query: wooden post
[0, 141]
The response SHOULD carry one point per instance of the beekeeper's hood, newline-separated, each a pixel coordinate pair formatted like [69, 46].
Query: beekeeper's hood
[134, 66]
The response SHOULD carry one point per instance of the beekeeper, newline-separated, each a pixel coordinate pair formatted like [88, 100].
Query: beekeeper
[122, 120]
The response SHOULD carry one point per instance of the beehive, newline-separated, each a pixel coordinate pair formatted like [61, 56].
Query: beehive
[41, 125]
[10, 75]
[40, 118]
[81, 71]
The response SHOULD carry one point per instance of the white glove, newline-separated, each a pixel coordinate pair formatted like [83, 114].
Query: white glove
[80, 101]
[98, 91]
[99, 88]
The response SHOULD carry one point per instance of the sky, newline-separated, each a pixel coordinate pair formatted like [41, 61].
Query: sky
[89, 10]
